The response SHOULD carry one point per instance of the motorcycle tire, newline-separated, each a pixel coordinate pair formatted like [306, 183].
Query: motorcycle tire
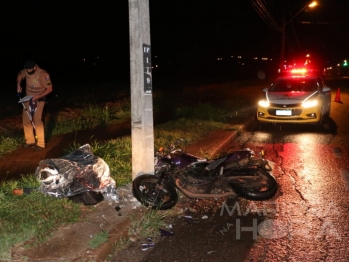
[146, 191]
[261, 187]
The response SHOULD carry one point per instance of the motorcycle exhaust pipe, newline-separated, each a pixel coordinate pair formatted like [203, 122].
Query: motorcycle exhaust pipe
[202, 196]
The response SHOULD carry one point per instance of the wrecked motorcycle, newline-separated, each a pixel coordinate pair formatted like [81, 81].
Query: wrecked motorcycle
[239, 173]
[173, 158]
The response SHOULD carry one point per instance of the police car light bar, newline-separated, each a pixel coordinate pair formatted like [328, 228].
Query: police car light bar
[299, 71]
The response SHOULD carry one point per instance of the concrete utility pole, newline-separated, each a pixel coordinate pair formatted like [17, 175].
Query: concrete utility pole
[142, 126]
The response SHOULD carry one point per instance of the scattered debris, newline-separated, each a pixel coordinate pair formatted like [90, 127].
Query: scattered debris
[117, 208]
[190, 219]
[192, 210]
[164, 233]
[17, 191]
[132, 239]
[148, 244]
[182, 210]
[21, 191]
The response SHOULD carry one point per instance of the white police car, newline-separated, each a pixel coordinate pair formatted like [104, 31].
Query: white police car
[297, 97]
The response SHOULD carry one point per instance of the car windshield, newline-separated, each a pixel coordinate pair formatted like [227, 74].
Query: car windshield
[294, 85]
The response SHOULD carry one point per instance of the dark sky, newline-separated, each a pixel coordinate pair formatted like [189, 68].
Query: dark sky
[69, 31]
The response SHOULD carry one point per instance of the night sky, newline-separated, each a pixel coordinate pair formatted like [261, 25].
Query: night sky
[68, 38]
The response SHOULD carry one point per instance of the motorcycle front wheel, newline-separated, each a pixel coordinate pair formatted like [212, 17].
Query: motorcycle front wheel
[146, 190]
[259, 186]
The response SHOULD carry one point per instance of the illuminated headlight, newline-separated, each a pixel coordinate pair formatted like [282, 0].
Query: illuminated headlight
[310, 103]
[264, 103]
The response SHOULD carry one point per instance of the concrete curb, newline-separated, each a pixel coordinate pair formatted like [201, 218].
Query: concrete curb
[115, 236]
[218, 141]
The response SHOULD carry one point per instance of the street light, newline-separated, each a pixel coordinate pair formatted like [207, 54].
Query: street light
[282, 56]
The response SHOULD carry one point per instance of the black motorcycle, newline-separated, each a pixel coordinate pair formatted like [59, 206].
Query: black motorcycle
[239, 173]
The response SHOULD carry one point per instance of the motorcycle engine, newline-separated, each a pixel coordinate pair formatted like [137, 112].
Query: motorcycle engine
[198, 180]
[193, 177]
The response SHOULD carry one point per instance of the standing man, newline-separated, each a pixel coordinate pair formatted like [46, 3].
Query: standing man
[38, 84]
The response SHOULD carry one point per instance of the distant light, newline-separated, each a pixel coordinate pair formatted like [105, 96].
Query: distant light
[255, 58]
[314, 3]
[219, 58]
[239, 56]
[232, 56]
[156, 65]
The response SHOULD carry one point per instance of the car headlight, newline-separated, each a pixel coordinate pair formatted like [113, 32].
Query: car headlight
[310, 103]
[264, 103]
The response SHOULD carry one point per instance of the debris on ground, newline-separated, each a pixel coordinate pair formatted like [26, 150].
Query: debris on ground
[148, 244]
[80, 176]
[165, 233]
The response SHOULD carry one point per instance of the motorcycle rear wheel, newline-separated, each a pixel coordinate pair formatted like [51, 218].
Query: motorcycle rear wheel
[261, 187]
[146, 190]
